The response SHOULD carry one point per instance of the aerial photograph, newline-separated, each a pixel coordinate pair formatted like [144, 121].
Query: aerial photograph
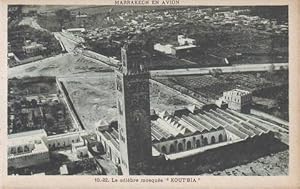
[147, 90]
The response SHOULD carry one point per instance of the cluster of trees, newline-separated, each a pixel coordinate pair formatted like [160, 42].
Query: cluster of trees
[22, 120]
[278, 91]
[51, 115]
[55, 22]
[215, 72]
[84, 165]
[281, 96]
[279, 13]
[61, 19]
[62, 16]
[105, 47]
[17, 34]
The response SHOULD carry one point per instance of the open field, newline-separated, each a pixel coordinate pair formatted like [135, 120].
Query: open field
[93, 98]
[275, 164]
[30, 21]
[60, 65]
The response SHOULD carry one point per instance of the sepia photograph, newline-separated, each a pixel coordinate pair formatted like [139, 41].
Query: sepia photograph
[147, 90]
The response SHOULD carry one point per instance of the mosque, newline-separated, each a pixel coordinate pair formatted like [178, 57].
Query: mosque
[141, 136]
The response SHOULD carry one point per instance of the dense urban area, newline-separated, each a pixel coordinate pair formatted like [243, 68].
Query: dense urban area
[62, 91]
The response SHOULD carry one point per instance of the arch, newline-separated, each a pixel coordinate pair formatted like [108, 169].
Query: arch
[163, 149]
[13, 150]
[26, 148]
[188, 145]
[205, 141]
[197, 143]
[172, 148]
[20, 149]
[220, 138]
[180, 147]
[213, 140]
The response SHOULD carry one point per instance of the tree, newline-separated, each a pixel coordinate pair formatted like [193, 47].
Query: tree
[62, 15]
[215, 72]
[271, 68]
[270, 73]
[50, 122]
[17, 106]
[33, 103]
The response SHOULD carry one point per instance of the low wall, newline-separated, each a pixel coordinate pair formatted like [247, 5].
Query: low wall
[268, 116]
[107, 60]
[70, 106]
[228, 69]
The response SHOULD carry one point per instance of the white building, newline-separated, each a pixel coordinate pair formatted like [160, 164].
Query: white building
[237, 99]
[75, 30]
[33, 48]
[166, 49]
[80, 149]
[182, 40]
[182, 50]
[27, 149]
[63, 140]
[171, 50]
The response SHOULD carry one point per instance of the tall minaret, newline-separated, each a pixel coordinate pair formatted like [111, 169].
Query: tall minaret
[133, 103]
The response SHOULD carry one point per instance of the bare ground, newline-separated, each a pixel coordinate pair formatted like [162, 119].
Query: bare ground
[60, 65]
[93, 97]
[273, 164]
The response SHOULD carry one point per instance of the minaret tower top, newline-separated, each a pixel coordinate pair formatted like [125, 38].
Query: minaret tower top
[133, 59]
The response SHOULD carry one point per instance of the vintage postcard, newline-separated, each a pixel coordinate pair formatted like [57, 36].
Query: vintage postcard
[149, 93]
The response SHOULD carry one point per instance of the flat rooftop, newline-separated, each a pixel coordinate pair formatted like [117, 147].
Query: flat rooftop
[184, 47]
[238, 92]
[28, 134]
[30, 137]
